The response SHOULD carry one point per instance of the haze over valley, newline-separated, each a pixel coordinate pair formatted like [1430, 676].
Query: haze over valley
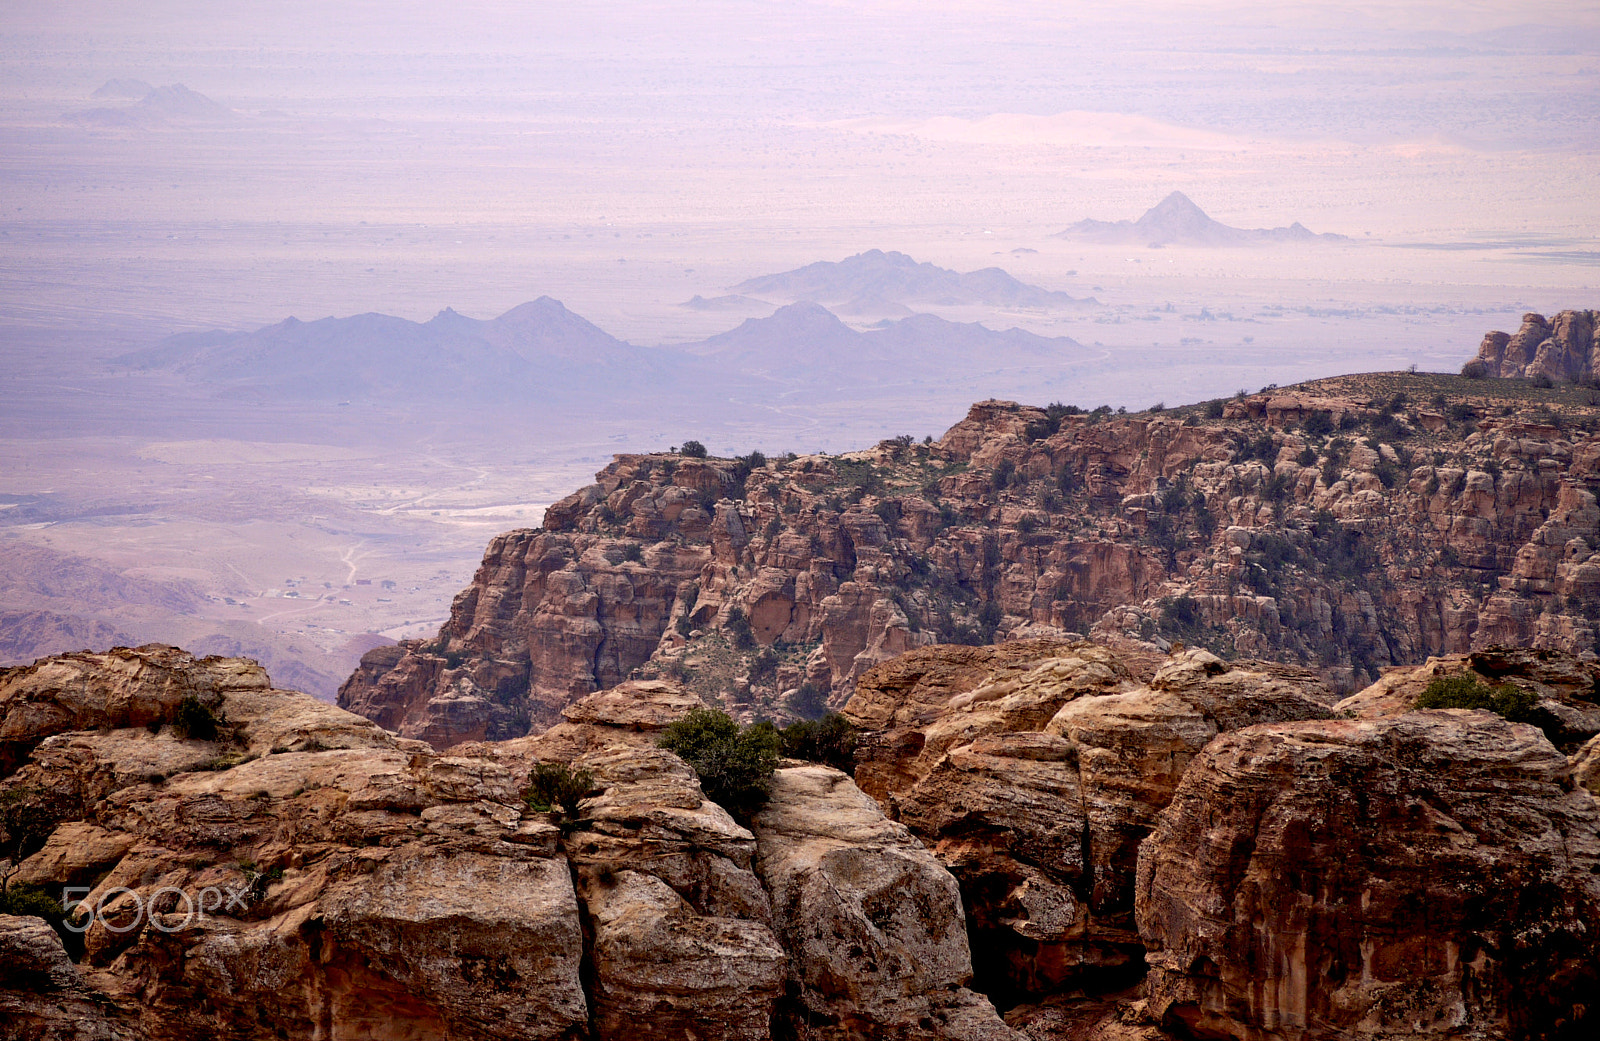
[298, 308]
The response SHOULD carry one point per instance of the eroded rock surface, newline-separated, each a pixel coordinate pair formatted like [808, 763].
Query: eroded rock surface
[1037, 786]
[1564, 348]
[309, 874]
[1347, 525]
[874, 923]
[1435, 874]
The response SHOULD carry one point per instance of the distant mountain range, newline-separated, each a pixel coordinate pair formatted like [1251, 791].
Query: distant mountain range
[879, 283]
[1177, 221]
[805, 342]
[541, 352]
[155, 106]
[537, 351]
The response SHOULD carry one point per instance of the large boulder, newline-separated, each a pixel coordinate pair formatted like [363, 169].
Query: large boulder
[1041, 820]
[873, 922]
[124, 687]
[681, 926]
[1435, 874]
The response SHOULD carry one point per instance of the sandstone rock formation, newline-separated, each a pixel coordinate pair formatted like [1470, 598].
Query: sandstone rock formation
[1346, 525]
[1434, 874]
[309, 874]
[1037, 783]
[1567, 688]
[1565, 348]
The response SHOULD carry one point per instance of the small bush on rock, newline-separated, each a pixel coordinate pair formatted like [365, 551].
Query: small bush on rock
[734, 763]
[195, 721]
[558, 787]
[1464, 691]
[830, 740]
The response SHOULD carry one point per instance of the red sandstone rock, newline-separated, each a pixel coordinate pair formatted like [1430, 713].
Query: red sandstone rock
[1435, 874]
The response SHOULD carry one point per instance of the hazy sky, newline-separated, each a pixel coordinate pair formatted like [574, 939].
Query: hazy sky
[752, 134]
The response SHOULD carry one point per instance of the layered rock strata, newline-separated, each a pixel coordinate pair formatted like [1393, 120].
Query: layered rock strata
[1346, 525]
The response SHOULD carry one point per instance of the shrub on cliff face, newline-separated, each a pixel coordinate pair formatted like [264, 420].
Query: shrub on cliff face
[830, 740]
[558, 787]
[809, 700]
[738, 625]
[693, 449]
[195, 721]
[1464, 691]
[1318, 424]
[28, 814]
[734, 763]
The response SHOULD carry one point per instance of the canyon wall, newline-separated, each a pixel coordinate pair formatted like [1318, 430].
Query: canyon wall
[1344, 526]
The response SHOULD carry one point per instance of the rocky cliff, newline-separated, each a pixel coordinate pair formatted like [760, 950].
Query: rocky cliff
[307, 874]
[1566, 348]
[1051, 839]
[1344, 525]
[1224, 850]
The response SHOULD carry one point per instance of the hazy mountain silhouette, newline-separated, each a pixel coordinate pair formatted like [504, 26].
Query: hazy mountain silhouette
[122, 88]
[1176, 220]
[876, 282]
[171, 105]
[536, 351]
[806, 343]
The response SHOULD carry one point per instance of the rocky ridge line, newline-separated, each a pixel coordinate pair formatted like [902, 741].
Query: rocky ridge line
[1345, 525]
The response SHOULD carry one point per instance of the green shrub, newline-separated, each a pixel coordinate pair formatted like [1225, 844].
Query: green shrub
[809, 700]
[1214, 409]
[558, 787]
[1319, 423]
[28, 814]
[734, 764]
[830, 740]
[1475, 369]
[764, 666]
[1464, 691]
[27, 900]
[693, 449]
[1182, 614]
[195, 721]
[738, 625]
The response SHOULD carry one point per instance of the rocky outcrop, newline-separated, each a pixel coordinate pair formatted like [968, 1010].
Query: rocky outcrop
[1566, 688]
[1346, 525]
[874, 922]
[1565, 348]
[1037, 784]
[308, 874]
[1434, 874]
